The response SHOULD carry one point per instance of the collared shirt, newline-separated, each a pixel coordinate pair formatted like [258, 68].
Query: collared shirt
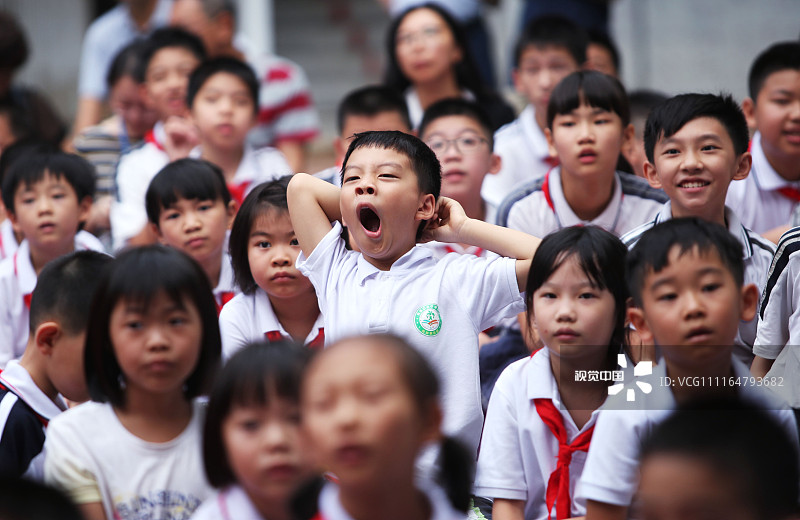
[231, 503]
[518, 450]
[525, 157]
[612, 467]
[439, 306]
[24, 411]
[757, 253]
[540, 207]
[257, 166]
[756, 199]
[250, 317]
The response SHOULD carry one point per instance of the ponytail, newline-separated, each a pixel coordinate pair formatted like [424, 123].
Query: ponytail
[456, 470]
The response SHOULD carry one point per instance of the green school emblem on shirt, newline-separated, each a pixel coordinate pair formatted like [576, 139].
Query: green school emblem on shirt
[428, 320]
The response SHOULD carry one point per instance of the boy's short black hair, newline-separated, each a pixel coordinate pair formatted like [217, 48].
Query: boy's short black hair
[255, 375]
[13, 43]
[371, 101]
[126, 63]
[139, 274]
[666, 119]
[778, 57]
[423, 161]
[64, 290]
[30, 168]
[227, 65]
[458, 107]
[739, 441]
[192, 179]
[593, 88]
[553, 31]
[265, 196]
[602, 39]
[169, 37]
[690, 234]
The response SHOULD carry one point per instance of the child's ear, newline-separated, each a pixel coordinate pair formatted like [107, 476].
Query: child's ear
[230, 211]
[637, 319]
[495, 163]
[427, 207]
[743, 164]
[749, 109]
[651, 174]
[84, 208]
[551, 146]
[45, 337]
[750, 296]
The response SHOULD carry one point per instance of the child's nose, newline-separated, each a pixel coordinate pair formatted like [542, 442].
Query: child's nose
[693, 305]
[365, 186]
[191, 221]
[156, 339]
[691, 160]
[281, 257]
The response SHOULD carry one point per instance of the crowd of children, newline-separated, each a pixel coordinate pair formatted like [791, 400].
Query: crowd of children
[567, 314]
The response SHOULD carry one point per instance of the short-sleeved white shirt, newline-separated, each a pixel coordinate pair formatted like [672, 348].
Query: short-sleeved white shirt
[250, 317]
[611, 473]
[438, 306]
[518, 450]
[93, 457]
[231, 503]
[17, 281]
[226, 288]
[757, 253]
[778, 334]
[330, 507]
[525, 153]
[540, 207]
[8, 241]
[756, 199]
[257, 166]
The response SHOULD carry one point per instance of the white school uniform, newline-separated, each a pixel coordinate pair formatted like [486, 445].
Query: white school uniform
[135, 170]
[778, 334]
[757, 254]
[231, 503]
[526, 157]
[17, 281]
[257, 166]
[756, 199]
[540, 207]
[8, 241]
[439, 249]
[518, 450]
[611, 472]
[330, 507]
[250, 317]
[19, 407]
[226, 288]
[439, 306]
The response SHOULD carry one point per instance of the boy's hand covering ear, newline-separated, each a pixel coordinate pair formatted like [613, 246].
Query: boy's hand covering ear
[445, 226]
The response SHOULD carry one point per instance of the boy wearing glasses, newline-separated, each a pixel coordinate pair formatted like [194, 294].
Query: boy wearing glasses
[459, 133]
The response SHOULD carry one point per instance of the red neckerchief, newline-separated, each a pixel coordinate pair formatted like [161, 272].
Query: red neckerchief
[224, 297]
[150, 137]
[558, 484]
[238, 191]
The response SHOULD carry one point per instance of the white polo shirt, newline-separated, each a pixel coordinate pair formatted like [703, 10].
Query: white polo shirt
[8, 241]
[438, 306]
[250, 317]
[757, 253]
[756, 199]
[518, 450]
[611, 473]
[525, 153]
[17, 281]
[778, 335]
[226, 288]
[135, 170]
[540, 207]
[231, 503]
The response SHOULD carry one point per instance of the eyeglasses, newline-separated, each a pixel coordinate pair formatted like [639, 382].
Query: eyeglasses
[425, 35]
[466, 144]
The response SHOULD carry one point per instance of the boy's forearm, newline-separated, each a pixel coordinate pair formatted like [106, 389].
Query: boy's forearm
[305, 190]
[503, 241]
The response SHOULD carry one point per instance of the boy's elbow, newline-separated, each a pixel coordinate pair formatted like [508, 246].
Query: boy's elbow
[297, 187]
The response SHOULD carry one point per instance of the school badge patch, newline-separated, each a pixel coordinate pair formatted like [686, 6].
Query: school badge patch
[428, 320]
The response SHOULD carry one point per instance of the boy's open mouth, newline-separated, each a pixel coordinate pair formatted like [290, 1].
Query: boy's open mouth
[369, 219]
